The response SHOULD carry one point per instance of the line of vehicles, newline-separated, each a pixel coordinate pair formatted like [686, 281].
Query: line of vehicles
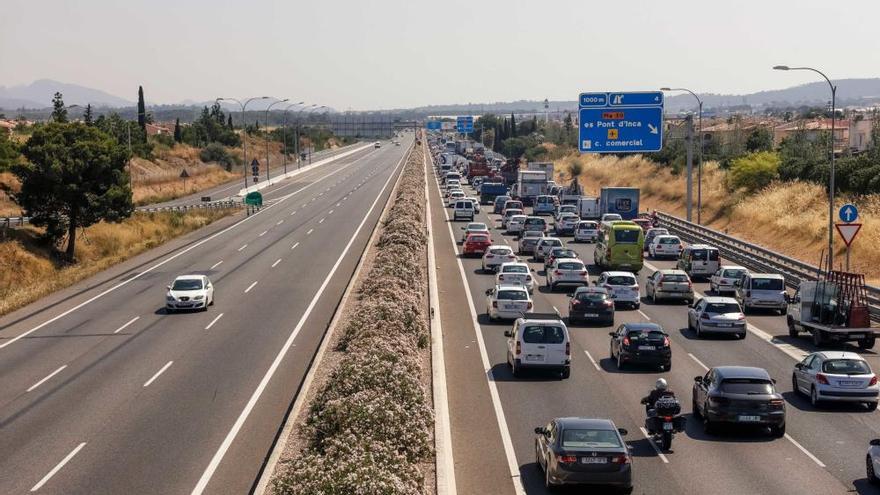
[590, 450]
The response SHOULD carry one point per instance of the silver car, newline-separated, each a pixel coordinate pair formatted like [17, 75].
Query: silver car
[514, 224]
[545, 245]
[528, 242]
[669, 284]
[717, 315]
[836, 376]
[724, 280]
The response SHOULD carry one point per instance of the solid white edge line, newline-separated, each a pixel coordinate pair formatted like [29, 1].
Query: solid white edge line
[805, 451]
[49, 376]
[705, 368]
[213, 321]
[171, 257]
[656, 448]
[590, 357]
[279, 222]
[215, 265]
[251, 287]
[153, 378]
[487, 368]
[444, 460]
[252, 402]
[58, 467]
[643, 314]
[136, 318]
[276, 262]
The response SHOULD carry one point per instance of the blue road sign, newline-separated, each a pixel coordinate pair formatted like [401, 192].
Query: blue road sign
[621, 130]
[848, 213]
[636, 99]
[433, 125]
[593, 100]
[465, 124]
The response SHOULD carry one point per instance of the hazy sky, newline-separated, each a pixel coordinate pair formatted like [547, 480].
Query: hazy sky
[402, 53]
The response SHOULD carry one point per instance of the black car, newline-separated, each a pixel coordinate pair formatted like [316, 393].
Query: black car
[591, 304]
[641, 343]
[739, 395]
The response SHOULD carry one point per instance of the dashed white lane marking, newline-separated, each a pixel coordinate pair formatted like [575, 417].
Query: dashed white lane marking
[310, 231]
[58, 467]
[263, 233]
[305, 204]
[643, 314]
[705, 368]
[321, 220]
[556, 309]
[241, 248]
[805, 451]
[330, 212]
[153, 378]
[279, 222]
[276, 262]
[294, 246]
[49, 376]
[136, 318]
[337, 205]
[595, 364]
[293, 213]
[214, 321]
[250, 287]
[656, 449]
[215, 265]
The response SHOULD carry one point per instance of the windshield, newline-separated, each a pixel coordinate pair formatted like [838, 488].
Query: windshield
[846, 367]
[766, 284]
[543, 335]
[699, 254]
[748, 386]
[551, 242]
[590, 438]
[732, 273]
[535, 221]
[722, 308]
[621, 280]
[515, 269]
[513, 295]
[627, 236]
[187, 284]
[588, 225]
[477, 226]
[563, 253]
[611, 216]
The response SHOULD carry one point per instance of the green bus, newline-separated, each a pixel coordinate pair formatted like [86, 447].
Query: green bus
[620, 246]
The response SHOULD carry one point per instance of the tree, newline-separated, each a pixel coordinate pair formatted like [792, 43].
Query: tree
[760, 139]
[575, 170]
[229, 123]
[142, 109]
[74, 177]
[805, 158]
[754, 171]
[59, 113]
[512, 125]
[568, 122]
[87, 115]
[9, 154]
[178, 137]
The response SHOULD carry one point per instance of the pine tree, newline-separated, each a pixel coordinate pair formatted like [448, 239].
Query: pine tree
[87, 115]
[178, 137]
[512, 125]
[59, 113]
[229, 123]
[534, 123]
[142, 109]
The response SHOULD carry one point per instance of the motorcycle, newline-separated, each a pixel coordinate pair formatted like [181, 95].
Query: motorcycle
[664, 420]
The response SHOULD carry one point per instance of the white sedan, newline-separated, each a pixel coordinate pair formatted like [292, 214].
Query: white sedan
[515, 273]
[507, 302]
[189, 292]
[496, 255]
[567, 271]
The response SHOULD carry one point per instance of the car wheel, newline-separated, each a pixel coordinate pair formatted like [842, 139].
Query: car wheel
[869, 470]
[547, 483]
[667, 366]
[538, 455]
[872, 406]
[619, 361]
[694, 409]
[698, 330]
[637, 305]
[566, 372]
[741, 336]
[792, 329]
[690, 326]
[814, 397]
[515, 371]
[491, 318]
[708, 427]
[778, 431]
[783, 311]
[794, 385]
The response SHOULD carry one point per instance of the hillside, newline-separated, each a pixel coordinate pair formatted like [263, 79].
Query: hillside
[38, 94]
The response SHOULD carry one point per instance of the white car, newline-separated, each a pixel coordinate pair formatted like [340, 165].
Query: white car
[515, 273]
[454, 196]
[508, 213]
[189, 292]
[474, 228]
[623, 287]
[515, 224]
[610, 217]
[464, 209]
[724, 280]
[586, 230]
[497, 254]
[566, 223]
[475, 201]
[665, 246]
[507, 302]
[872, 461]
[565, 209]
[545, 245]
[569, 271]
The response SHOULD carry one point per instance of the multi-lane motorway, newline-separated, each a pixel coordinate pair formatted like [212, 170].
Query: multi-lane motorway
[493, 415]
[102, 391]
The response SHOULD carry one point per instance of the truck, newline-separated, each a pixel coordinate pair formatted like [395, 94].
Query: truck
[546, 167]
[490, 190]
[529, 185]
[588, 208]
[478, 167]
[832, 309]
[621, 200]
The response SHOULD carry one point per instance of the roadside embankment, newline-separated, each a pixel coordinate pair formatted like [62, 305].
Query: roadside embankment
[367, 424]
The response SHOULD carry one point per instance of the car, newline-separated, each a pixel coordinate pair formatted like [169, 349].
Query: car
[189, 292]
[567, 271]
[644, 223]
[539, 341]
[511, 203]
[559, 252]
[463, 209]
[534, 223]
[560, 209]
[669, 284]
[738, 395]
[377, 144]
[515, 273]
[622, 286]
[652, 233]
[515, 224]
[872, 461]
[641, 343]
[586, 230]
[761, 291]
[545, 245]
[717, 314]
[476, 244]
[588, 451]
[454, 196]
[665, 246]
[474, 228]
[528, 242]
[699, 260]
[452, 183]
[475, 183]
[591, 304]
[610, 217]
[475, 201]
[507, 302]
[545, 205]
[836, 376]
[566, 223]
[495, 255]
[498, 205]
[724, 280]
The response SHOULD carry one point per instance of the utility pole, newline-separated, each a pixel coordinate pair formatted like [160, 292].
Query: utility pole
[689, 121]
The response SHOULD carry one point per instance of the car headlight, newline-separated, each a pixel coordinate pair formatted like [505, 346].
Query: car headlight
[169, 297]
[198, 298]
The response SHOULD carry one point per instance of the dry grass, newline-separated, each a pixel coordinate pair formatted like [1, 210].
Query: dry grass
[791, 218]
[29, 270]
[8, 208]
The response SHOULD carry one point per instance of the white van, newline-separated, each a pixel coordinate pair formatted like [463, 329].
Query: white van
[699, 260]
[464, 209]
[539, 341]
[761, 290]
[588, 208]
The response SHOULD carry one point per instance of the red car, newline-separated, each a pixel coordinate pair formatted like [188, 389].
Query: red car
[644, 223]
[476, 244]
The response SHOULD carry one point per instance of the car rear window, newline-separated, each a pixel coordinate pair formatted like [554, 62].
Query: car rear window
[846, 367]
[515, 269]
[464, 204]
[627, 236]
[535, 221]
[621, 280]
[732, 273]
[540, 334]
[749, 386]
[668, 240]
[590, 438]
[699, 254]
[722, 308]
[766, 284]
[674, 277]
[646, 335]
[592, 296]
[513, 295]
[552, 242]
[570, 265]
[588, 225]
[500, 251]
[478, 238]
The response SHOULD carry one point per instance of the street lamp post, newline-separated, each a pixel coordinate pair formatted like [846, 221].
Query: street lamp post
[311, 138]
[284, 134]
[831, 179]
[700, 151]
[296, 132]
[267, 133]
[244, 130]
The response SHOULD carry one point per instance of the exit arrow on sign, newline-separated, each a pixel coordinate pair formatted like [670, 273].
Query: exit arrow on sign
[848, 231]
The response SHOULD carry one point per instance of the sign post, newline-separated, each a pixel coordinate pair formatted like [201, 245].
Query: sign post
[253, 200]
[621, 122]
[255, 170]
[183, 175]
[464, 124]
[848, 230]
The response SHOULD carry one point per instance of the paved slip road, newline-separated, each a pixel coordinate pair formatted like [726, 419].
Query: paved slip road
[104, 393]
[823, 451]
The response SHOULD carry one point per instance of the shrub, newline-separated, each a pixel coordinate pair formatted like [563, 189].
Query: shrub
[754, 171]
[216, 152]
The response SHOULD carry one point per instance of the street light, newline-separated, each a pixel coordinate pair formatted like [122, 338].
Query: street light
[311, 139]
[831, 179]
[700, 164]
[313, 105]
[244, 129]
[267, 132]
[284, 134]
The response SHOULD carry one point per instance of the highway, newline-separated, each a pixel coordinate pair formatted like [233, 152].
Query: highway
[102, 392]
[493, 415]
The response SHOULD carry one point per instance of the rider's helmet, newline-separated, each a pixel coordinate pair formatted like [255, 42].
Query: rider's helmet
[661, 384]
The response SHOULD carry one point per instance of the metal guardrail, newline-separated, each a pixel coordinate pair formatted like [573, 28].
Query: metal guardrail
[755, 257]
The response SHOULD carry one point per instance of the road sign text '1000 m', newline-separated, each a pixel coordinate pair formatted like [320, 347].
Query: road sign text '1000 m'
[621, 122]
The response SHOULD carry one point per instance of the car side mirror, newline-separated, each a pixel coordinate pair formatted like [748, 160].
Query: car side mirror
[508, 333]
[611, 334]
[698, 379]
[875, 442]
[570, 294]
[532, 269]
[799, 366]
[489, 292]
[168, 287]
[539, 430]
[623, 432]
[773, 380]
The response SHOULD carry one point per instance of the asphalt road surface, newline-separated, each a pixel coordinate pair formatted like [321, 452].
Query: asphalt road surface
[102, 392]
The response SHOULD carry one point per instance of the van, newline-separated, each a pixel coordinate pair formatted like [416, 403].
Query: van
[761, 290]
[620, 246]
[545, 205]
[699, 260]
[464, 209]
[539, 341]
[588, 208]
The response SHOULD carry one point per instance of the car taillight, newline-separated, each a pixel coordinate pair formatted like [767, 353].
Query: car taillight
[719, 401]
[489, 256]
[584, 272]
[518, 348]
[568, 348]
[529, 305]
[626, 341]
[873, 381]
[608, 303]
[568, 459]
[660, 280]
[690, 285]
[821, 379]
[665, 341]
[741, 317]
[494, 304]
[622, 459]
[777, 402]
[528, 278]
[575, 302]
[704, 316]
[634, 288]
[557, 272]
[608, 287]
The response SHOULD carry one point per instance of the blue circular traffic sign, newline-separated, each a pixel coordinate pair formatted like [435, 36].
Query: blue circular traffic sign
[848, 213]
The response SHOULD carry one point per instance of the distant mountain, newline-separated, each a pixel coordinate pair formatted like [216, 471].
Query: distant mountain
[38, 94]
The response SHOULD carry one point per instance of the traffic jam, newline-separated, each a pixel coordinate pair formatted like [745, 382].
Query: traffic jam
[622, 337]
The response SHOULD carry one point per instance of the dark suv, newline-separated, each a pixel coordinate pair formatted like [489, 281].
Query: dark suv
[641, 343]
[739, 395]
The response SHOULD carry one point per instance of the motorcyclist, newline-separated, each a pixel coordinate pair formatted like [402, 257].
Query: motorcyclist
[661, 388]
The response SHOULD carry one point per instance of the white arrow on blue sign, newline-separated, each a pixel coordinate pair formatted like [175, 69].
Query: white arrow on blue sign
[848, 213]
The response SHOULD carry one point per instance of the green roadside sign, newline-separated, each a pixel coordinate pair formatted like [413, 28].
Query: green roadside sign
[254, 199]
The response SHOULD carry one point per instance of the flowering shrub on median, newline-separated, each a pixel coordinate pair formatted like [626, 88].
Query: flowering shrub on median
[369, 426]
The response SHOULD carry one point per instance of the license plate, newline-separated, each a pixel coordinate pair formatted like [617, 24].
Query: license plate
[856, 335]
[724, 325]
[748, 419]
[849, 383]
[647, 348]
[534, 357]
[667, 426]
[594, 460]
[591, 315]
